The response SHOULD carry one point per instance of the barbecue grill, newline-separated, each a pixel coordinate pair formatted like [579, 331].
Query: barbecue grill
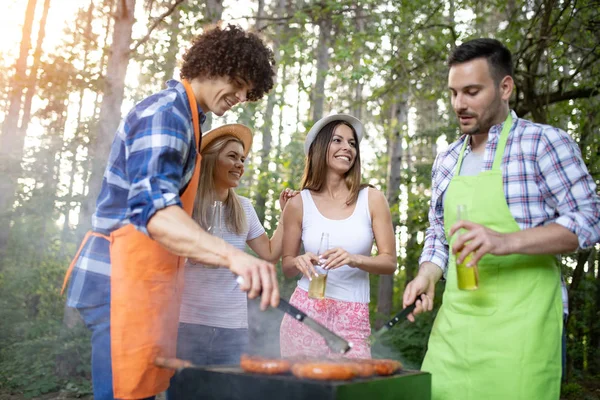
[232, 383]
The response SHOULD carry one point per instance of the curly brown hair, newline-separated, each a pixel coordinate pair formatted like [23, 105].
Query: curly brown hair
[234, 53]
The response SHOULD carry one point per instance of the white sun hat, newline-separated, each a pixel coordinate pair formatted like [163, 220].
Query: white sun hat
[316, 128]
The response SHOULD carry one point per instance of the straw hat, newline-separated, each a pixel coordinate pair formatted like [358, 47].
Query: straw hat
[239, 131]
[312, 134]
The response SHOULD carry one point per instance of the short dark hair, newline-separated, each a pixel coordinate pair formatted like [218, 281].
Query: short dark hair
[234, 53]
[497, 55]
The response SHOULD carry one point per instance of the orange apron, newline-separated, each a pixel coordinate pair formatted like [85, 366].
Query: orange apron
[146, 287]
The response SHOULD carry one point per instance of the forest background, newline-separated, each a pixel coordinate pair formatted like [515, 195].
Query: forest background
[70, 69]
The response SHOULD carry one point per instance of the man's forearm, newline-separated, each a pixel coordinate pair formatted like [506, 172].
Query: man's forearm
[430, 271]
[173, 228]
[549, 239]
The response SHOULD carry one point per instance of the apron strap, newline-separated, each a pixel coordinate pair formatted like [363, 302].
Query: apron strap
[461, 155]
[195, 116]
[74, 261]
[506, 127]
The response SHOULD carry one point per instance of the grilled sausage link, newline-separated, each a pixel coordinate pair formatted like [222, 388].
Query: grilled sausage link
[382, 367]
[268, 366]
[324, 371]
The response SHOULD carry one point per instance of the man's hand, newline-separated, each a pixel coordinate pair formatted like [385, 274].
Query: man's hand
[260, 278]
[480, 241]
[424, 283]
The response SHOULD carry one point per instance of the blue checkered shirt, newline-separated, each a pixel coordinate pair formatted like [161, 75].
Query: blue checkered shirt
[545, 181]
[150, 164]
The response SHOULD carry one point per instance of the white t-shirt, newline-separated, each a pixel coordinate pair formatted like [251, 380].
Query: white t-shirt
[354, 234]
[212, 297]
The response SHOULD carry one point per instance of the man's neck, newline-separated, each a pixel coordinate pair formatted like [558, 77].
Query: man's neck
[479, 140]
[196, 85]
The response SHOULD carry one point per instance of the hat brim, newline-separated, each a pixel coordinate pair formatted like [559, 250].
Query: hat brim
[239, 131]
[316, 128]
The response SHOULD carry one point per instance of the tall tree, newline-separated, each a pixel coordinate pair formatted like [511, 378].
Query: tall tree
[173, 49]
[399, 119]
[33, 73]
[212, 14]
[110, 110]
[267, 128]
[74, 145]
[11, 141]
[325, 24]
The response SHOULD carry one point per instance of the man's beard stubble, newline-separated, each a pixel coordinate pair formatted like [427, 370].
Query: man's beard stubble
[484, 123]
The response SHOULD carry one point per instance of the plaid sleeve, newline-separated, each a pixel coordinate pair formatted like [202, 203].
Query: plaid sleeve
[435, 249]
[567, 185]
[156, 148]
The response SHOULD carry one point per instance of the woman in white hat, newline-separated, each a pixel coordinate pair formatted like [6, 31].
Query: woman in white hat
[213, 322]
[333, 201]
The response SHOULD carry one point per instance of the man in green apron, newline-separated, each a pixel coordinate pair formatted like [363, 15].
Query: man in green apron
[529, 197]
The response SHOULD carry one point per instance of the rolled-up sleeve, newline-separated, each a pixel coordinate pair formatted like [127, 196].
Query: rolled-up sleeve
[156, 147]
[435, 249]
[569, 187]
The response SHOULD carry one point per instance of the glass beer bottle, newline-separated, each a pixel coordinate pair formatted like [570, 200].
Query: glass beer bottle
[316, 287]
[467, 277]
[216, 224]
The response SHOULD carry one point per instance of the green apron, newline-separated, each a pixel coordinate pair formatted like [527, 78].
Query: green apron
[501, 341]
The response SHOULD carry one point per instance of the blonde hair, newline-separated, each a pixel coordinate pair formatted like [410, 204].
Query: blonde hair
[315, 168]
[235, 217]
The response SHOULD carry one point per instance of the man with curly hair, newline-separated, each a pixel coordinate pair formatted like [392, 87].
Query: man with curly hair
[128, 273]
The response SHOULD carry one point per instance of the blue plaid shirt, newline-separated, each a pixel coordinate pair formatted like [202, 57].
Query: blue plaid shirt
[150, 164]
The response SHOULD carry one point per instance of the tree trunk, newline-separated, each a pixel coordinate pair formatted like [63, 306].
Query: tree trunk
[172, 51]
[318, 94]
[32, 81]
[399, 118]
[214, 11]
[212, 15]
[11, 141]
[69, 199]
[267, 136]
[574, 306]
[83, 220]
[357, 102]
[595, 331]
[110, 110]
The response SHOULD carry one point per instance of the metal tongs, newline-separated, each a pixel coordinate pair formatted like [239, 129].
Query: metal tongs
[336, 343]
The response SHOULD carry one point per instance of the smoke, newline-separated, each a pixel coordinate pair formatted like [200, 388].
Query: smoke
[263, 329]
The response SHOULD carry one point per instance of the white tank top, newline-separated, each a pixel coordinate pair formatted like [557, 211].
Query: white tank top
[354, 234]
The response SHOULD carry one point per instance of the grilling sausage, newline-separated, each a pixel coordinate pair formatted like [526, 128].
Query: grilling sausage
[324, 370]
[382, 367]
[268, 366]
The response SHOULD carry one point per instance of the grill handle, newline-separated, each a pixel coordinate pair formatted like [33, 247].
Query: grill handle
[172, 363]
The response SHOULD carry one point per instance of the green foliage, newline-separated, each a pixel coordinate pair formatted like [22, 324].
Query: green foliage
[46, 360]
[37, 354]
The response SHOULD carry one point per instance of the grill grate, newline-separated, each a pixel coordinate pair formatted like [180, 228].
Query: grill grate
[231, 383]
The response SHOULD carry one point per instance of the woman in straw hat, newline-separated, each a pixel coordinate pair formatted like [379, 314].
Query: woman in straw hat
[335, 203]
[213, 320]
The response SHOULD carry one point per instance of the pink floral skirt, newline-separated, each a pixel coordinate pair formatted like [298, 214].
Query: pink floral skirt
[347, 319]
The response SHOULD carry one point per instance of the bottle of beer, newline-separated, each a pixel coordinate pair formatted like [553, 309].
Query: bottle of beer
[216, 223]
[467, 277]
